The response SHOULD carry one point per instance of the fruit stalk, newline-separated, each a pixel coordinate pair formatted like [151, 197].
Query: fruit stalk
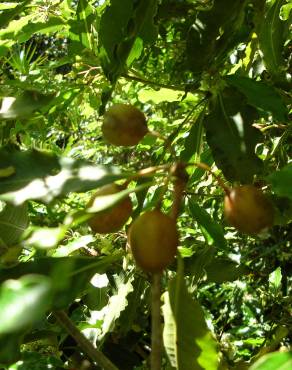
[156, 332]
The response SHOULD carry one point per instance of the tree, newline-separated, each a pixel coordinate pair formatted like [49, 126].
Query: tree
[212, 80]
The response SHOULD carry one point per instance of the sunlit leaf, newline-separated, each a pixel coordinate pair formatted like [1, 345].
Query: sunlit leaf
[188, 342]
[274, 361]
[44, 176]
[23, 302]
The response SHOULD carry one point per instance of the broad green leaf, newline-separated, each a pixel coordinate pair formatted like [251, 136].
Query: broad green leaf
[222, 269]
[117, 303]
[214, 230]
[44, 176]
[69, 275]
[130, 313]
[10, 347]
[81, 28]
[124, 28]
[193, 142]
[45, 237]
[260, 95]
[274, 361]
[24, 105]
[196, 264]
[275, 280]
[231, 136]
[271, 40]
[158, 96]
[23, 302]
[188, 342]
[204, 41]
[282, 181]
[13, 222]
[9, 13]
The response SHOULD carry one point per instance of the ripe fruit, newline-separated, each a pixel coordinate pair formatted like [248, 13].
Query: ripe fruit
[248, 209]
[124, 125]
[112, 219]
[153, 238]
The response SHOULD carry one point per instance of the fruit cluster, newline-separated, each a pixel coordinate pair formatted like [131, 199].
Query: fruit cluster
[153, 236]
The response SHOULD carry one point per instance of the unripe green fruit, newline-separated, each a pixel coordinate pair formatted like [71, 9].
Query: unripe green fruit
[248, 209]
[124, 125]
[153, 238]
[112, 219]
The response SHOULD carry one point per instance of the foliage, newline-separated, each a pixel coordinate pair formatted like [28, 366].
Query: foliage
[213, 80]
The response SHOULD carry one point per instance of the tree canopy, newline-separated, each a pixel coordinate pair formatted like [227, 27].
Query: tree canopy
[155, 131]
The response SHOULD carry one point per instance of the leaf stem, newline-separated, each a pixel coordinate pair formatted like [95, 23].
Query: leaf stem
[83, 342]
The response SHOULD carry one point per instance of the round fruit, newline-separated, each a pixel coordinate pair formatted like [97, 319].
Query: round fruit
[153, 238]
[124, 125]
[248, 209]
[112, 219]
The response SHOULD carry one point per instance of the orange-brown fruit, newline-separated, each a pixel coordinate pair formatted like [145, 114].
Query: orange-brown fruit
[248, 209]
[112, 219]
[124, 125]
[153, 238]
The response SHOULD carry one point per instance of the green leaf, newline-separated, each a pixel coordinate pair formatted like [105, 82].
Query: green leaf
[274, 361]
[222, 269]
[80, 29]
[214, 230]
[13, 222]
[23, 302]
[10, 347]
[132, 310]
[7, 15]
[24, 105]
[44, 176]
[37, 361]
[260, 95]
[69, 275]
[231, 136]
[204, 41]
[188, 342]
[282, 181]
[117, 303]
[193, 142]
[275, 280]
[271, 39]
[124, 28]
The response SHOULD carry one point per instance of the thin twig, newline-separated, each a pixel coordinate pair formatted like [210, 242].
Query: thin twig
[156, 332]
[83, 342]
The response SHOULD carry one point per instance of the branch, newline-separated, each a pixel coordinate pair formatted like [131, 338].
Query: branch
[83, 342]
[156, 335]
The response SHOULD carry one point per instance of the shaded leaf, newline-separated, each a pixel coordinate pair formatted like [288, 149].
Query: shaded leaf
[214, 230]
[10, 347]
[130, 313]
[282, 181]
[24, 105]
[188, 342]
[231, 136]
[193, 142]
[224, 269]
[260, 95]
[204, 42]
[13, 222]
[69, 275]
[44, 176]
[271, 40]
